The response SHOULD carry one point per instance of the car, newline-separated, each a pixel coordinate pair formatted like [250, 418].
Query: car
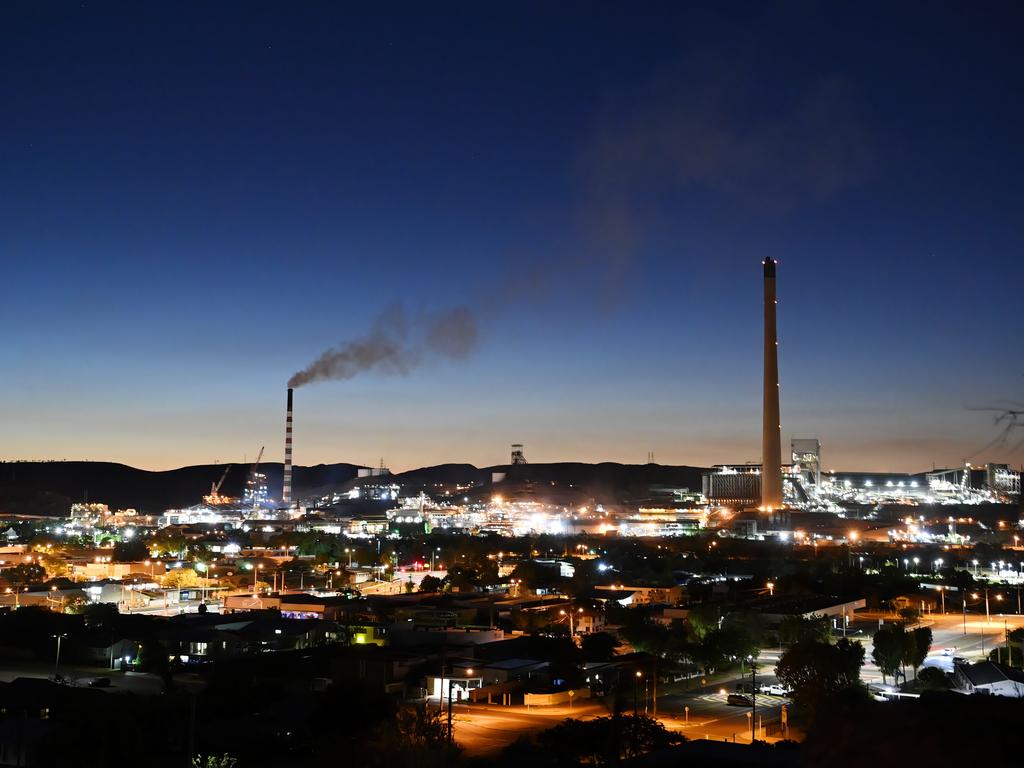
[739, 700]
[774, 689]
[99, 682]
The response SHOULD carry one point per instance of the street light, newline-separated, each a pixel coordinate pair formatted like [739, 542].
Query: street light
[255, 572]
[572, 630]
[56, 663]
[469, 673]
[753, 695]
[771, 589]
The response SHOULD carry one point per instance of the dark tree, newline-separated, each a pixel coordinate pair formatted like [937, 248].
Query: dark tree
[816, 671]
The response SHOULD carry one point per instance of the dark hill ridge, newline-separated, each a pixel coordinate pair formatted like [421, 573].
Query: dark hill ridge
[51, 487]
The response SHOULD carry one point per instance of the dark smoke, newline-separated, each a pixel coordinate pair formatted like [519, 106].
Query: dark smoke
[393, 349]
[691, 128]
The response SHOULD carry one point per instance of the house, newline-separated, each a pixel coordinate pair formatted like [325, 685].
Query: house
[989, 678]
[642, 594]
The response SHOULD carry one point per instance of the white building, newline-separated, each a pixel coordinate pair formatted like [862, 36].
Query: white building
[989, 678]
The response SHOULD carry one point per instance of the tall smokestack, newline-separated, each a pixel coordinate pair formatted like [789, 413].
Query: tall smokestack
[286, 490]
[771, 430]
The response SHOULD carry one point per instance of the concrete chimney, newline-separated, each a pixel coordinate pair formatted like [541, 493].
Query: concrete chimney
[286, 490]
[771, 428]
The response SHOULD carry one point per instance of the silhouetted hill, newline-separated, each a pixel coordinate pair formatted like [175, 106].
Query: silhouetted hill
[49, 488]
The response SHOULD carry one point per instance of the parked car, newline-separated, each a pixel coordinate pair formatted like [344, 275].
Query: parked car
[739, 700]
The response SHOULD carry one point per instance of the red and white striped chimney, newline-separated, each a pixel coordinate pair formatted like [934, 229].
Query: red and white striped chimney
[286, 490]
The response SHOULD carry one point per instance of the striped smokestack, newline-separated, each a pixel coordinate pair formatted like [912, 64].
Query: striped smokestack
[771, 428]
[286, 490]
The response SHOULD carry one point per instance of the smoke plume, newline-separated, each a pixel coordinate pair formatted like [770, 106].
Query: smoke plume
[689, 129]
[392, 348]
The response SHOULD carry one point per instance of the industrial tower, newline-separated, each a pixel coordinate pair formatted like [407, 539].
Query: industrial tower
[771, 427]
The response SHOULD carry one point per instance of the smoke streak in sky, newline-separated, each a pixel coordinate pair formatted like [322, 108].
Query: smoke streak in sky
[391, 348]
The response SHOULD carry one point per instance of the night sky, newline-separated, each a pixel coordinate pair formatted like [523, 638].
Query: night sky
[198, 199]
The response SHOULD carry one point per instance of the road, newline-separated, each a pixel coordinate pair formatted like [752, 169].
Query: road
[483, 729]
[973, 640]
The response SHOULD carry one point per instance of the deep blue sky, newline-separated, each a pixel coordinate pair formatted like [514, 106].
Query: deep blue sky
[196, 199]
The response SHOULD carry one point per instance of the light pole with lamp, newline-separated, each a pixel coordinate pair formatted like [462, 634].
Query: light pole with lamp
[469, 673]
[753, 695]
[572, 628]
[56, 663]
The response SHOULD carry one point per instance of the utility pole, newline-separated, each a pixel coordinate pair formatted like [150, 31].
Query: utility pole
[753, 697]
[56, 663]
[654, 686]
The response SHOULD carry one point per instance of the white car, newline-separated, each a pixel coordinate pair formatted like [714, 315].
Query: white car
[775, 689]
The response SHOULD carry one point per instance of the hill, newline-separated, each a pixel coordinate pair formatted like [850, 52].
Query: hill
[49, 488]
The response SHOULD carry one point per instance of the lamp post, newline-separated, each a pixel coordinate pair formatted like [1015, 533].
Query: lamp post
[56, 663]
[1009, 653]
[255, 572]
[636, 686]
[753, 695]
[469, 673]
[572, 628]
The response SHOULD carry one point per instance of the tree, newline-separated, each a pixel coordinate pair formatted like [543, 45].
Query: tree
[793, 629]
[1016, 646]
[181, 578]
[909, 613]
[889, 651]
[599, 646]
[430, 584]
[533, 575]
[647, 637]
[416, 738]
[704, 618]
[605, 740]
[933, 679]
[919, 642]
[24, 573]
[815, 671]
[214, 761]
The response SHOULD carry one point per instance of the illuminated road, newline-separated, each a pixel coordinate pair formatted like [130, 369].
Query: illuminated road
[482, 729]
[948, 632]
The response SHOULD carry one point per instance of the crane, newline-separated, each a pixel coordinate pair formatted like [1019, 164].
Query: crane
[255, 488]
[214, 496]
